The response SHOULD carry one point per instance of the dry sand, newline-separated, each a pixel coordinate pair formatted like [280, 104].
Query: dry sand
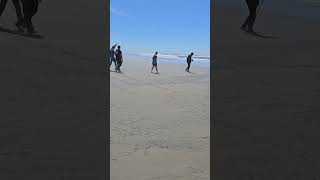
[266, 98]
[160, 127]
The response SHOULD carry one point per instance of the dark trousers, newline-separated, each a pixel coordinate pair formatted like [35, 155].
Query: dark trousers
[119, 63]
[113, 60]
[30, 8]
[249, 22]
[189, 63]
[154, 65]
[17, 6]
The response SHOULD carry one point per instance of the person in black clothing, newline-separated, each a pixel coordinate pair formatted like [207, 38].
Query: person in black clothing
[112, 58]
[154, 62]
[30, 8]
[18, 8]
[189, 59]
[249, 22]
[119, 58]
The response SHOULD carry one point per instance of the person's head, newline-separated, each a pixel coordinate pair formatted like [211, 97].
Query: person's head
[191, 54]
[156, 53]
[119, 47]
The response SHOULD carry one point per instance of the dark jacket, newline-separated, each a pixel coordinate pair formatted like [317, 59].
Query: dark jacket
[189, 59]
[112, 53]
[118, 55]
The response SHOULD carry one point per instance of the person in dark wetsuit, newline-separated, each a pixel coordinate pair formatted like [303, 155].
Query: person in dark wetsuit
[154, 62]
[112, 57]
[30, 8]
[249, 22]
[189, 59]
[18, 8]
[119, 58]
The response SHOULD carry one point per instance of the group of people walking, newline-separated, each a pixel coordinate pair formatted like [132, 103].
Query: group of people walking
[25, 10]
[117, 58]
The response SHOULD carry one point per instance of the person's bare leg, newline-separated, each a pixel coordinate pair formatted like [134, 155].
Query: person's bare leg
[252, 18]
[3, 4]
[245, 24]
[30, 8]
[18, 8]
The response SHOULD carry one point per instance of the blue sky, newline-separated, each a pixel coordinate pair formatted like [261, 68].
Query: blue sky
[167, 26]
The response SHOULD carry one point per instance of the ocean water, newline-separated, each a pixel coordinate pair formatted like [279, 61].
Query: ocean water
[303, 8]
[174, 58]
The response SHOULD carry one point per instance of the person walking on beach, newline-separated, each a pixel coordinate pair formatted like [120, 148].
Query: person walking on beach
[30, 8]
[189, 59]
[154, 62]
[119, 59]
[112, 58]
[18, 8]
[249, 22]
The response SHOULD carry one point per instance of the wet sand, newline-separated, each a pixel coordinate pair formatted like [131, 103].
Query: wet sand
[159, 123]
[266, 98]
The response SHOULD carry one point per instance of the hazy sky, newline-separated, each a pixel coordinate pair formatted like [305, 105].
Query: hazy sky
[167, 26]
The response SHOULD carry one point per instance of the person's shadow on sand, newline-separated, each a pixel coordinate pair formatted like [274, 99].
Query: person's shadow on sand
[10, 31]
[116, 71]
[256, 34]
[190, 72]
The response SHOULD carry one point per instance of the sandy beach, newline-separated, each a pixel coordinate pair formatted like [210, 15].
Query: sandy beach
[54, 94]
[266, 97]
[160, 127]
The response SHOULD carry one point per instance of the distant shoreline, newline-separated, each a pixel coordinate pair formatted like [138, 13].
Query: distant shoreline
[171, 59]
